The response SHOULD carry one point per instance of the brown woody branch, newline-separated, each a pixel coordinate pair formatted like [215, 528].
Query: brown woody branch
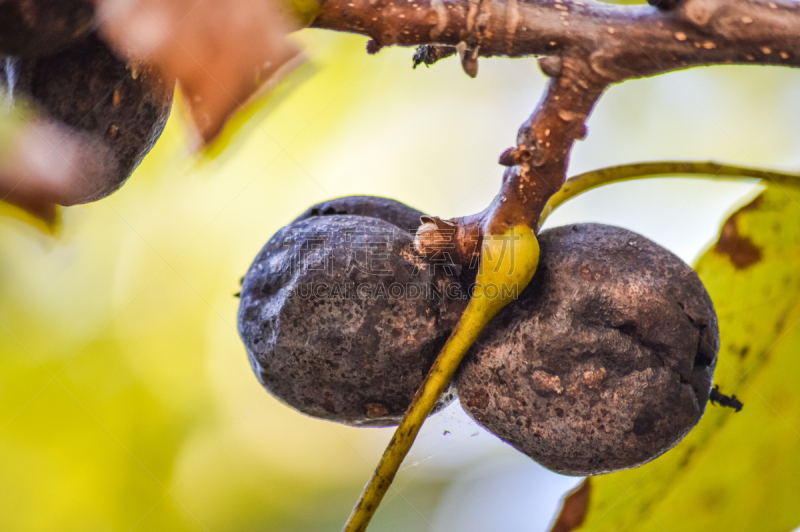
[620, 42]
[587, 47]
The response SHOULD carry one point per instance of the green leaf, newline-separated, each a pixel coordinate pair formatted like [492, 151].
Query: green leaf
[734, 471]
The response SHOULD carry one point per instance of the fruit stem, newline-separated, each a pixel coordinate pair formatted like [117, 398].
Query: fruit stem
[508, 262]
[577, 185]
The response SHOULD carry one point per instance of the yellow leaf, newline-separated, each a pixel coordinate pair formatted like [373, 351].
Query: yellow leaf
[735, 471]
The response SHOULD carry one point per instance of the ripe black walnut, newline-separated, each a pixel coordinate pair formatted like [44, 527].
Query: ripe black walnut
[122, 109]
[341, 319]
[36, 28]
[606, 359]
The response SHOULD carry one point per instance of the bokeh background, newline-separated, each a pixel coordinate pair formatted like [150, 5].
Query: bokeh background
[126, 399]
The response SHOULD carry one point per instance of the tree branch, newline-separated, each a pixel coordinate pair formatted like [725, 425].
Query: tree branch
[587, 47]
[539, 169]
[619, 42]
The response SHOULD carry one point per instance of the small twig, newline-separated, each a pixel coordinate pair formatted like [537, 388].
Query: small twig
[721, 399]
[577, 185]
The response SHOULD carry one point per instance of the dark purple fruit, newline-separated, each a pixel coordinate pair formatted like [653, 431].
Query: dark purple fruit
[342, 320]
[37, 28]
[122, 110]
[388, 210]
[606, 359]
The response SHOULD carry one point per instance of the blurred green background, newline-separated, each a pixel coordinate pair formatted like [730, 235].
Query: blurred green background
[126, 398]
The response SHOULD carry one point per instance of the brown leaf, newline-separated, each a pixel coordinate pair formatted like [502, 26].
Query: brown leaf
[573, 509]
[221, 53]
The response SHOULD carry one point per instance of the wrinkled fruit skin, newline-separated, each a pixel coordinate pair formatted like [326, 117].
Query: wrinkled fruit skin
[88, 88]
[36, 28]
[356, 356]
[606, 359]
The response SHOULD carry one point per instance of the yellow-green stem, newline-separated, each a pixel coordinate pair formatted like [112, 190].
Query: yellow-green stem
[575, 186]
[508, 263]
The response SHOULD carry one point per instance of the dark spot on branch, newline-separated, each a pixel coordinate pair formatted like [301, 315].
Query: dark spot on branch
[428, 54]
[514, 156]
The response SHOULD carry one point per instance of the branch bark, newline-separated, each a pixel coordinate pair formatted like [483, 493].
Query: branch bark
[538, 167]
[620, 42]
[587, 46]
